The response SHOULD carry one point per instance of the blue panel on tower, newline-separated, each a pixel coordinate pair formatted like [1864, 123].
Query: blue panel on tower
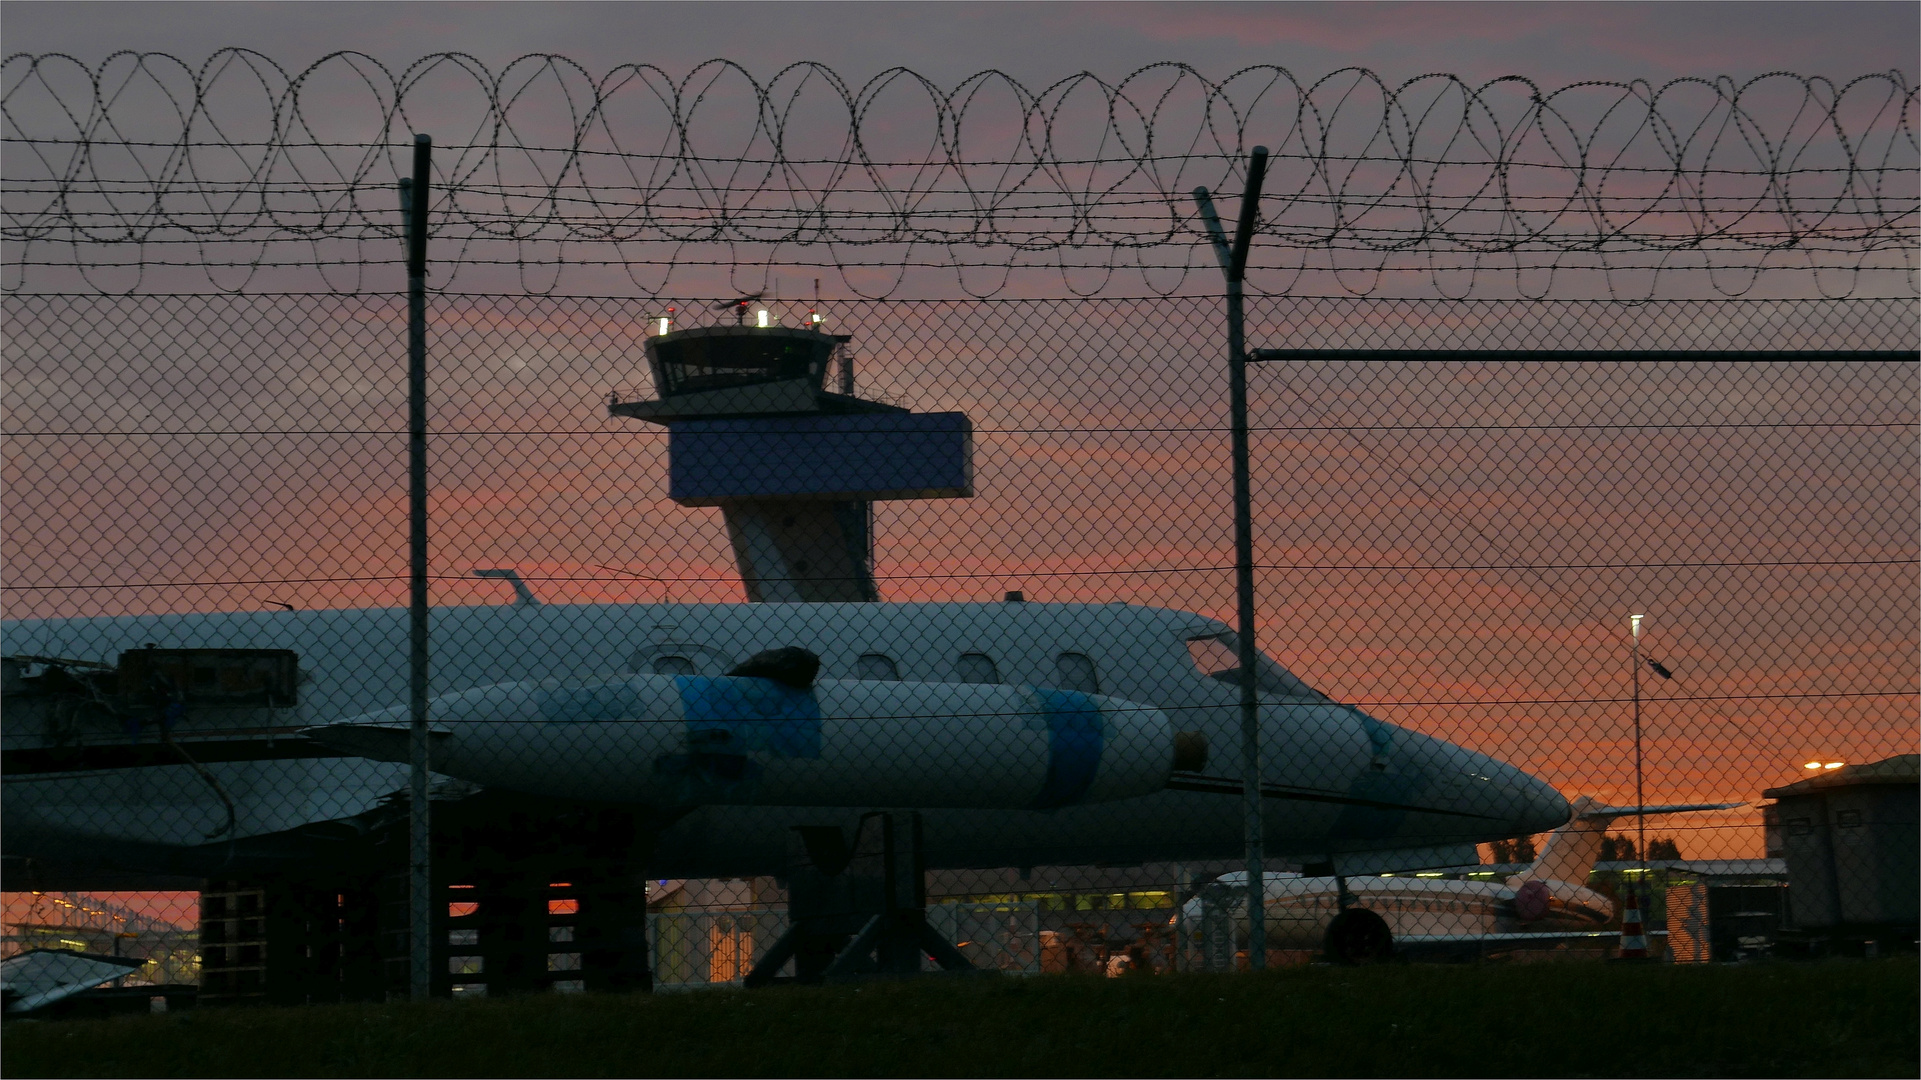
[861, 456]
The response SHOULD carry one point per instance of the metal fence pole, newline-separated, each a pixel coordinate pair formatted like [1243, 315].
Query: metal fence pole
[1234, 265]
[414, 198]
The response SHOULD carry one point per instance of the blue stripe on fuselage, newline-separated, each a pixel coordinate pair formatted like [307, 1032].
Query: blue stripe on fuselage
[736, 714]
[1075, 731]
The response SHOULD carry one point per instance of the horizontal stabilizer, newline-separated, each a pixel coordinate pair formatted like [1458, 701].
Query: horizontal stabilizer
[1600, 813]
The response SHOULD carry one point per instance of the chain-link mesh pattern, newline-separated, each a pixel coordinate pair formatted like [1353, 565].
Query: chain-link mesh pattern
[1447, 551]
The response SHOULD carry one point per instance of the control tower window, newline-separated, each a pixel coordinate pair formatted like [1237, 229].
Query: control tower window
[1218, 657]
[876, 667]
[673, 665]
[715, 362]
[1075, 671]
[976, 667]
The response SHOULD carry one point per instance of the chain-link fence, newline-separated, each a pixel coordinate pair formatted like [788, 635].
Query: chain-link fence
[1033, 736]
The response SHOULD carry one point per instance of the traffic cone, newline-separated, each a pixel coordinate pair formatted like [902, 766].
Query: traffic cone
[1634, 940]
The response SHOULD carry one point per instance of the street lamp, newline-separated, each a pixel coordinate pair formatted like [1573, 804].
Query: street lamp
[1640, 798]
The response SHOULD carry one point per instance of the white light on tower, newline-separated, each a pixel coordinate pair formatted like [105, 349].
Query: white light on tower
[760, 317]
[1635, 622]
[665, 322]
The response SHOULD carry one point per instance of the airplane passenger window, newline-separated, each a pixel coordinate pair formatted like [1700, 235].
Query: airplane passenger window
[1075, 671]
[1218, 657]
[976, 667]
[876, 667]
[673, 665]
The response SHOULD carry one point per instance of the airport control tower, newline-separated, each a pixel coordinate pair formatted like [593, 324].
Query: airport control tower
[753, 430]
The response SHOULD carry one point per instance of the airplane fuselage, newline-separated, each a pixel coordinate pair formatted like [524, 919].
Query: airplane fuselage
[1336, 780]
[1418, 911]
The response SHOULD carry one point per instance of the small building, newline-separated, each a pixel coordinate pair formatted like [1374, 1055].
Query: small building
[1850, 838]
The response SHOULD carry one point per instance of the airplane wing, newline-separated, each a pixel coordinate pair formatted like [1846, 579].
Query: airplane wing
[1439, 945]
[40, 977]
[1519, 937]
[96, 757]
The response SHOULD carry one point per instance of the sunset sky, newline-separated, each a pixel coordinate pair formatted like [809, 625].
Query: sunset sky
[1036, 43]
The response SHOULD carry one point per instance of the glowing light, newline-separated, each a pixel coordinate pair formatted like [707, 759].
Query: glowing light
[1812, 765]
[1635, 621]
[814, 317]
[1833, 764]
[666, 321]
[760, 317]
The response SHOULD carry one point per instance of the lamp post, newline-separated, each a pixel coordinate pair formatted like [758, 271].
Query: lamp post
[1640, 800]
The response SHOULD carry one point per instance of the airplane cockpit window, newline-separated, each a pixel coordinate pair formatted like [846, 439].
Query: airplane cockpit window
[1218, 657]
[673, 665]
[1075, 671]
[876, 667]
[976, 667]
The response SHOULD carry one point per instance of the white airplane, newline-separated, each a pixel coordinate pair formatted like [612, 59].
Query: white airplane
[1370, 918]
[100, 773]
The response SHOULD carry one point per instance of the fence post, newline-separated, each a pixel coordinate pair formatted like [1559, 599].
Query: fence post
[1233, 261]
[420, 951]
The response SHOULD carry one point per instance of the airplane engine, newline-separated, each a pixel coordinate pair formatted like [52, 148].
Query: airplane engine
[685, 740]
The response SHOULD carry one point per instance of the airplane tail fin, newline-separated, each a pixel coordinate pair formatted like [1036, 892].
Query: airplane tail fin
[1572, 850]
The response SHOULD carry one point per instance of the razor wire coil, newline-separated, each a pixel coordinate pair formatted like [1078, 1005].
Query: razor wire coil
[545, 168]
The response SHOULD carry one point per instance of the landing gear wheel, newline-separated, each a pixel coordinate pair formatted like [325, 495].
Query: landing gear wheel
[1358, 936]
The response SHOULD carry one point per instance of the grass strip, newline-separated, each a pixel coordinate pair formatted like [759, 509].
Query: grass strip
[1565, 1019]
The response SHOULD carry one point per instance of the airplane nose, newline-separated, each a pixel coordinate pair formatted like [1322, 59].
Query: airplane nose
[1534, 804]
[1487, 787]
